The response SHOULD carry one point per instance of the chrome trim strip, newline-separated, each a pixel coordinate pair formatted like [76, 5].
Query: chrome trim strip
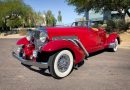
[64, 37]
[31, 63]
[73, 42]
[73, 39]
[81, 45]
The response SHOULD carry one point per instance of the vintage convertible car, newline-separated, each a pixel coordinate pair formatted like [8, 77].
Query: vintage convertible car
[60, 49]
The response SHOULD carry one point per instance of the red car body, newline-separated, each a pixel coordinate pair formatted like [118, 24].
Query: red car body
[80, 41]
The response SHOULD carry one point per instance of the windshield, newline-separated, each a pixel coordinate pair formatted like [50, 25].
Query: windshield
[80, 24]
[84, 24]
[40, 28]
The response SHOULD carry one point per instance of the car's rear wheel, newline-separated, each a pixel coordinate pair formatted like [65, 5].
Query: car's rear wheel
[61, 64]
[114, 49]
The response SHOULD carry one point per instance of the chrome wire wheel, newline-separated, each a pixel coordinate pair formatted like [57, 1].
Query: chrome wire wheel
[61, 64]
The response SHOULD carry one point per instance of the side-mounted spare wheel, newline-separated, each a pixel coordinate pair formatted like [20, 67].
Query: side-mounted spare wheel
[61, 64]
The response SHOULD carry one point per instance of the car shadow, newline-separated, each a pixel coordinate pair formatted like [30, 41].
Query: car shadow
[44, 72]
[97, 53]
[91, 55]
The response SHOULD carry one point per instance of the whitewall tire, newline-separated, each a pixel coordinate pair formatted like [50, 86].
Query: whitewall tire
[61, 64]
[114, 49]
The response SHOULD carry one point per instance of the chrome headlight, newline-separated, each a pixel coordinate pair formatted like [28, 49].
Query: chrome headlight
[43, 36]
[29, 36]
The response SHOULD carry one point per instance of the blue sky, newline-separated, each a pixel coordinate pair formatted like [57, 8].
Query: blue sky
[68, 12]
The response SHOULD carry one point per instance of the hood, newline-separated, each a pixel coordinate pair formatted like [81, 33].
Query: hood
[62, 31]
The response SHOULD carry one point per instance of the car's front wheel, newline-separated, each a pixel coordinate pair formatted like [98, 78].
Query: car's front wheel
[61, 64]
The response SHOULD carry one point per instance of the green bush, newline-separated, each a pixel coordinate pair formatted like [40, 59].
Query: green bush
[14, 23]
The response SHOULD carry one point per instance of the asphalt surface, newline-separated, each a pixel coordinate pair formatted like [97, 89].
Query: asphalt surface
[102, 71]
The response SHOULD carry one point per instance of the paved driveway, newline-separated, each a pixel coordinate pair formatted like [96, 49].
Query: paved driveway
[102, 71]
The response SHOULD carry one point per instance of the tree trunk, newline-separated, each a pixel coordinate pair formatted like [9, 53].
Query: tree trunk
[123, 18]
[5, 26]
[87, 14]
[106, 15]
[122, 15]
[128, 13]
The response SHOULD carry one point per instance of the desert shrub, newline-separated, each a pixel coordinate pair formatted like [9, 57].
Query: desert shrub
[121, 25]
[110, 26]
[95, 26]
[127, 26]
[116, 25]
[22, 31]
[103, 25]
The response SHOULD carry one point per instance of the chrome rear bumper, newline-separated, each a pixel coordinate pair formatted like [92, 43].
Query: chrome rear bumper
[31, 63]
[111, 45]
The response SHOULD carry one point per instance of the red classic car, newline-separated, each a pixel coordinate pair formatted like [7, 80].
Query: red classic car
[60, 49]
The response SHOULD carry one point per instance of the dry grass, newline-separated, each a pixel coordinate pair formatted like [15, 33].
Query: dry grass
[11, 36]
[125, 38]
[23, 32]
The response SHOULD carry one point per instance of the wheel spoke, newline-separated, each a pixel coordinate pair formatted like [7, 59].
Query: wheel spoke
[63, 63]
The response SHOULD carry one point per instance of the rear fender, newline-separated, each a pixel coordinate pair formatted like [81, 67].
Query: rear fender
[57, 45]
[112, 37]
[22, 41]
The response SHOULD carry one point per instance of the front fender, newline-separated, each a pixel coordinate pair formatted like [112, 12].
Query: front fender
[112, 37]
[57, 45]
[22, 41]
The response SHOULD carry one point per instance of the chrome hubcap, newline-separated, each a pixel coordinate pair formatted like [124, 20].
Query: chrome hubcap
[63, 63]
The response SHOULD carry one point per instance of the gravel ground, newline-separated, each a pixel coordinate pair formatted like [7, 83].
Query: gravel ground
[102, 71]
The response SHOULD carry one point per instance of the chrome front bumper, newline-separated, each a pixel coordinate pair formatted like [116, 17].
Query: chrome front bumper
[31, 63]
